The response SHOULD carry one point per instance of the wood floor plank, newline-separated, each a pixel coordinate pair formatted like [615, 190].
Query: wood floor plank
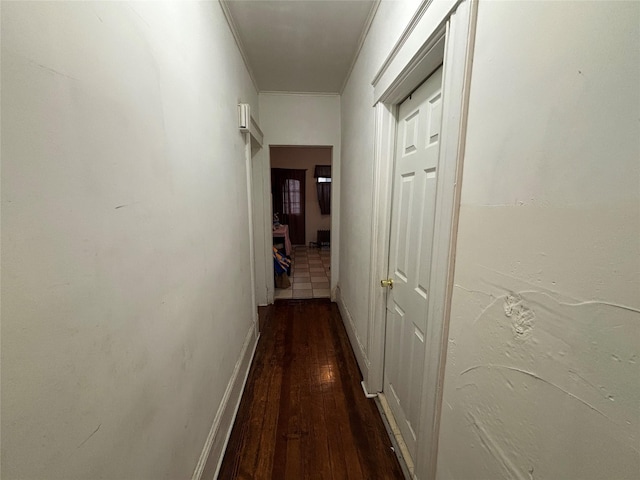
[319, 373]
[273, 355]
[303, 414]
[340, 409]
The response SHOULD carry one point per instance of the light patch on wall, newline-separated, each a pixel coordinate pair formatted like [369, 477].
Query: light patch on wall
[558, 367]
[521, 315]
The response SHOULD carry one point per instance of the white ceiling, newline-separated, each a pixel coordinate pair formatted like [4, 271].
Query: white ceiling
[299, 45]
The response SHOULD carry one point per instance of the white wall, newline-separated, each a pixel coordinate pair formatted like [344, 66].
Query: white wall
[543, 354]
[544, 347]
[125, 273]
[357, 118]
[294, 119]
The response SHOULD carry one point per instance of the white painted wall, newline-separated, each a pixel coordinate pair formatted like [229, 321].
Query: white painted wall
[294, 119]
[357, 119]
[544, 345]
[125, 272]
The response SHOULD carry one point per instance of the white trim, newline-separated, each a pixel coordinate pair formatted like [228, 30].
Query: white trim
[412, 44]
[256, 133]
[216, 444]
[335, 214]
[457, 80]
[363, 384]
[356, 344]
[417, 16]
[336, 179]
[363, 36]
[252, 250]
[385, 124]
[290, 145]
[236, 37]
[426, 61]
[300, 94]
[445, 34]
[267, 211]
[248, 124]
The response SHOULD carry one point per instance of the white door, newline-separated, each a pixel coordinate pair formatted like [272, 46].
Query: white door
[412, 230]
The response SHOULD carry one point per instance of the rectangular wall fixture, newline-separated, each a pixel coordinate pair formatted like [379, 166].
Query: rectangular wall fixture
[247, 123]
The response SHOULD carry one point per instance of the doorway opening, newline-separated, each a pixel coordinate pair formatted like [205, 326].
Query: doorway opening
[301, 206]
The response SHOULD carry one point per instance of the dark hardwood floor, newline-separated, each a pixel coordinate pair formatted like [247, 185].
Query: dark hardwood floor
[303, 414]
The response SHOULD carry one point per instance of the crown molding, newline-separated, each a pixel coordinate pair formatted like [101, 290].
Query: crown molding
[236, 37]
[417, 16]
[424, 33]
[300, 94]
[363, 37]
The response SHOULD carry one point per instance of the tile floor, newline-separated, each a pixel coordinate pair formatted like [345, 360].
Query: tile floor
[310, 274]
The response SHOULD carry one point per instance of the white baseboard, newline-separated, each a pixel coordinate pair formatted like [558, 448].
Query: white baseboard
[220, 432]
[356, 345]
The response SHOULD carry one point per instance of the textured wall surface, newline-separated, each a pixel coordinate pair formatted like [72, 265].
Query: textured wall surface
[544, 348]
[125, 269]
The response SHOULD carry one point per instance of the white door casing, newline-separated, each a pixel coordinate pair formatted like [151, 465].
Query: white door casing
[411, 239]
[441, 32]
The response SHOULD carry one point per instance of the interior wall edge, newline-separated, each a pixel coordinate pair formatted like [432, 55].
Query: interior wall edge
[356, 345]
[216, 443]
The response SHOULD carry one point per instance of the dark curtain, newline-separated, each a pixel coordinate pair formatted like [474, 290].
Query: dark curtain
[288, 190]
[322, 171]
[324, 188]
[324, 198]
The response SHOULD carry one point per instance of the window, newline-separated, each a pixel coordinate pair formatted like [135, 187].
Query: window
[291, 197]
[323, 184]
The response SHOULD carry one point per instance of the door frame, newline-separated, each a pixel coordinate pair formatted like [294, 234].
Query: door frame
[253, 138]
[441, 32]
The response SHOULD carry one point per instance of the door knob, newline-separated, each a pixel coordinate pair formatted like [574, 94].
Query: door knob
[387, 283]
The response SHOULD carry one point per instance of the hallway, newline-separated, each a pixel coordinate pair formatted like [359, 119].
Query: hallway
[310, 274]
[137, 239]
[303, 414]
